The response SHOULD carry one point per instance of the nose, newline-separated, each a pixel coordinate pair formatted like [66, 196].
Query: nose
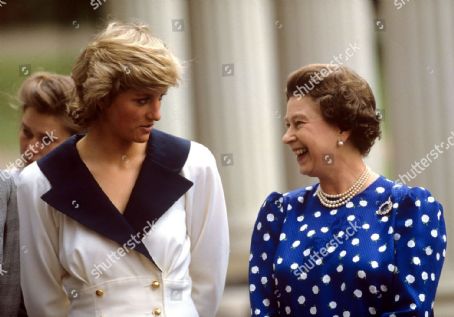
[154, 110]
[288, 137]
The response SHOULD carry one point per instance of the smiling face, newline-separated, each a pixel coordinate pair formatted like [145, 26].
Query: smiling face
[310, 137]
[131, 115]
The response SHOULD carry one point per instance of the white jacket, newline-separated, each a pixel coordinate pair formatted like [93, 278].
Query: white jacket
[80, 257]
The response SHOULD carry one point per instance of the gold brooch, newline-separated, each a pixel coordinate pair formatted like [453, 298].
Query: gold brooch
[385, 208]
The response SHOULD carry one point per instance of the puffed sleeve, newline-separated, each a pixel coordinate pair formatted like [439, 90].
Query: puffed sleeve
[420, 246]
[41, 272]
[208, 231]
[265, 239]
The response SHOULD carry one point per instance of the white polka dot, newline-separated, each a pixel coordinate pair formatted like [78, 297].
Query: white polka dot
[296, 244]
[303, 227]
[346, 314]
[416, 260]
[355, 258]
[300, 199]
[289, 207]
[363, 203]
[396, 236]
[311, 233]
[428, 250]
[331, 249]
[351, 218]
[300, 218]
[259, 226]
[372, 311]
[410, 279]
[418, 203]
[366, 226]
[374, 264]
[380, 190]
[266, 302]
[313, 310]
[411, 243]
[430, 199]
[343, 287]
[349, 205]
[326, 279]
[413, 306]
[432, 276]
[266, 237]
[390, 230]
[324, 229]
[383, 288]
[355, 241]
[333, 212]
[391, 267]
[270, 217]
[396, 205]
[279, 260]
[422, 297]
[288, 288]
[375, 237]
[257, 311]
[339, 268]
[301, 300]
[317, 214]
[397, 298]
[373, 289]
[408, 222]
[343, 253]
[302, 276]
[425, 218]
[294, 266]
[424, 276]
[264, 280]
[434, 233]
[288, 310]
[384, 219]
[315, 289]
[251, 288]
[307, 252]
[318, 261]
[361, 274]
[332, 305]
[382, 248]
[254, 269]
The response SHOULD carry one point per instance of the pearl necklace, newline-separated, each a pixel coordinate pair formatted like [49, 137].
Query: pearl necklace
[334, 201]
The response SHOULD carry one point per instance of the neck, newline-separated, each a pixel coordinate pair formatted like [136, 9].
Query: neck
[342, 177]
[106, 147]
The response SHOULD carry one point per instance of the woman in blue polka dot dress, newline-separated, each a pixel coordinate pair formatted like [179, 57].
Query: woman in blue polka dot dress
[355, 244]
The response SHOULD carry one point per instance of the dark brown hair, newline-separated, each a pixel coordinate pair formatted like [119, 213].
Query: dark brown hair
[346, 100]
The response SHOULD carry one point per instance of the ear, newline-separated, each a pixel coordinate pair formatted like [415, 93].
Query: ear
[344, 135]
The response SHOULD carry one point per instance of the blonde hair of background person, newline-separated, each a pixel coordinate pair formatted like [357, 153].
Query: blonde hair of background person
[355, 243]
[125, 220]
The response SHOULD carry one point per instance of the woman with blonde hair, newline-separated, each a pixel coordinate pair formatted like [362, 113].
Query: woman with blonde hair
[125, 220]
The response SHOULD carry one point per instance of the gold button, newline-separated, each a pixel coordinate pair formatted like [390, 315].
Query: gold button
[99, 292]
[157, 312]
[155, 284]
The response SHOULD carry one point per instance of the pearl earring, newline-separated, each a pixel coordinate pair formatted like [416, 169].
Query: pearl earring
[340, 143]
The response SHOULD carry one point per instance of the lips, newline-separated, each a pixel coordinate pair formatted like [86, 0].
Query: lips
[300, 152]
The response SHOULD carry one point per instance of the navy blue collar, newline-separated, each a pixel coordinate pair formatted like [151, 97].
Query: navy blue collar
[75, 192]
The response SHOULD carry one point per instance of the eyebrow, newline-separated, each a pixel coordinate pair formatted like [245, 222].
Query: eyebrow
[297, 116]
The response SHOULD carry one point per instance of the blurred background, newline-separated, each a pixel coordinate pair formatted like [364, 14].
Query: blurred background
[237, 55]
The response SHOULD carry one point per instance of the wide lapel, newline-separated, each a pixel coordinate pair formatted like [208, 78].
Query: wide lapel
[75, 192]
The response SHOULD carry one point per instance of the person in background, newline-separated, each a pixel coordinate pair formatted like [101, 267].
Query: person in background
[10, 292]
[355, 243]
[124, 220]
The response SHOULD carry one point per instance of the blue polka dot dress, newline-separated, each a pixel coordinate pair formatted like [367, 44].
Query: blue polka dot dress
[309, 260]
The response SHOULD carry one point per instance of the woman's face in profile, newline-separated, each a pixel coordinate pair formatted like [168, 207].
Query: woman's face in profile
[132, 113]
[39, 134]
[309, 136]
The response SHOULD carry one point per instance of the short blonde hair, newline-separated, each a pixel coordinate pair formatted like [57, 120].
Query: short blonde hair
[49, 94]
[122, 57]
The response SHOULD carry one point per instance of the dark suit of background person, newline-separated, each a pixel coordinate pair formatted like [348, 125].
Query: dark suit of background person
[10, 293]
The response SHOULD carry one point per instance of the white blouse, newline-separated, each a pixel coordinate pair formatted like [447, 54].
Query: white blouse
[69, 269]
